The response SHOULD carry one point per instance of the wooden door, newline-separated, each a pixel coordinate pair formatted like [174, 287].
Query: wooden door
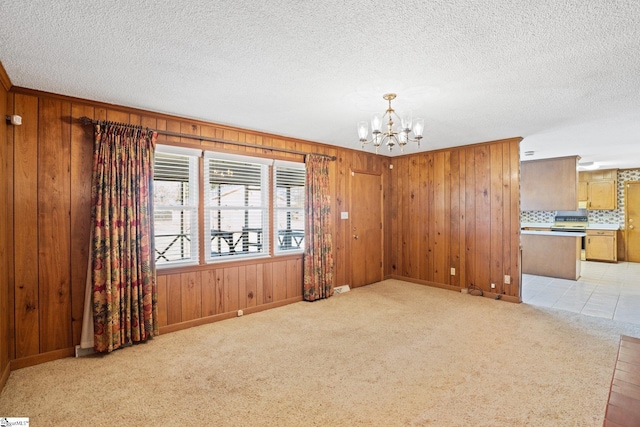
[632, 221]
[366, 228]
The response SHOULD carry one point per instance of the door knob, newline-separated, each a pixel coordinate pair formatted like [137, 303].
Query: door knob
[355, 236]
[631, 227]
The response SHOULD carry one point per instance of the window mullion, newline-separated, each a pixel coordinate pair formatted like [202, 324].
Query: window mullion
[201, 224]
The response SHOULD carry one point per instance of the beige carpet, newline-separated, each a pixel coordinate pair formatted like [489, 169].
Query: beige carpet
[388, 354]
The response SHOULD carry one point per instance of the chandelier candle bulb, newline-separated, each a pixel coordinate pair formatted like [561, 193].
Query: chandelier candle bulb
[418, 128]
[376, 123]
[406, 122]
[363, 131]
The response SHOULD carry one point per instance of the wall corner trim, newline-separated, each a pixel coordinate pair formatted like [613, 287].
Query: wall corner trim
[4, 78]
[5, 376]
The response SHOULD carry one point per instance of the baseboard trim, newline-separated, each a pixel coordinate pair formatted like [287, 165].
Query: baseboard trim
[426, 283]
[507, 298]
[50, 356]
[37, 359]
[217, 317]
[492, 295]
[5, 376]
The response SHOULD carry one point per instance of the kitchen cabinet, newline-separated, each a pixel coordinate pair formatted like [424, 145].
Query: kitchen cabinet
[598, 190]
[602, 195]
[583, 192]
[549, 184]
[601, 245]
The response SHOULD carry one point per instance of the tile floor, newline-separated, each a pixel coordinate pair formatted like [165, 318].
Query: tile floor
[605, 290]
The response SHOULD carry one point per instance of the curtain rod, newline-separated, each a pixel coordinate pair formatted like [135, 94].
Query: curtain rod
[86, 120]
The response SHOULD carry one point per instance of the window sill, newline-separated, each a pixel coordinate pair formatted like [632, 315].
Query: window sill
[238, 262]
[173, 265]
[235, 258]
[291, 252]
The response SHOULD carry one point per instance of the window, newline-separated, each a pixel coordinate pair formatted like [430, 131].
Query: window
[175, 200]
[236, 206]
[288, 206]
[219, 205]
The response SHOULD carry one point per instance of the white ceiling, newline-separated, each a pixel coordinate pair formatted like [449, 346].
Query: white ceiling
[565, 75]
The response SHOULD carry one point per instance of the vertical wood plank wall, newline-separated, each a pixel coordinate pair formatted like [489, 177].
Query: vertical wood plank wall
[457, 208]
[5, 316]
[48, 193]
[450, 208]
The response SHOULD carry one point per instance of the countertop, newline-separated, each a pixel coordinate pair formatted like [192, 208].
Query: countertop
[536, 224]
[591, 226]
[603, 227]
[553, 233]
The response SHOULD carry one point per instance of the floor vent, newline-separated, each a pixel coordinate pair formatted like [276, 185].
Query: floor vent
[341, 289]
[80, 352]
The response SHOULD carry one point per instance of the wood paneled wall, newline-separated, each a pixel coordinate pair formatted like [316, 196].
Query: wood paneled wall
[50, 159]
[5, 317]
[195, 297]
[457, 208]
[451, 208]
[347, 162]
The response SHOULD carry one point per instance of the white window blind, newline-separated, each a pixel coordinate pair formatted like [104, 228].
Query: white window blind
[175, 211]
[236, 208]
[288, 204]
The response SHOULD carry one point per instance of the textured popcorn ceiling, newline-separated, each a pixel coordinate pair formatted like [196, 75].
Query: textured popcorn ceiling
[565, 75]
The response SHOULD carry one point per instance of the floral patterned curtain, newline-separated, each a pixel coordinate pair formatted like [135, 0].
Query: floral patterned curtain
[123, 272]
[318, 257]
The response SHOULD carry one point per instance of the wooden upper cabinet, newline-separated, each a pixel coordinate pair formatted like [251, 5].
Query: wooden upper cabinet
[583, 192]
[549, 184]
[602, 195]
[601, 188]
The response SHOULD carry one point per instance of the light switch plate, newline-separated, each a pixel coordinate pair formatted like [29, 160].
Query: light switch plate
[344, 215]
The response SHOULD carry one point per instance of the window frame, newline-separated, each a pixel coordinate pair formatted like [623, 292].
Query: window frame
[200, 231]
[294, 234]
[192, 206]
[262, 235]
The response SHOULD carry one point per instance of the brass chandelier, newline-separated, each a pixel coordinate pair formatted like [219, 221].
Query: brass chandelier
[391, 137]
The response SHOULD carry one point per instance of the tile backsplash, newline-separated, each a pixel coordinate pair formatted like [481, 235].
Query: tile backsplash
[598, 217]
[537, 216]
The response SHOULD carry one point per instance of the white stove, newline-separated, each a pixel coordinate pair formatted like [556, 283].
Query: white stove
[575, 221]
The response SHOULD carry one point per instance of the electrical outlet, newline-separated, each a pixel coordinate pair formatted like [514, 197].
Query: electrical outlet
[453, 271]
[507, 279]
[240, 313]
[493, 286]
